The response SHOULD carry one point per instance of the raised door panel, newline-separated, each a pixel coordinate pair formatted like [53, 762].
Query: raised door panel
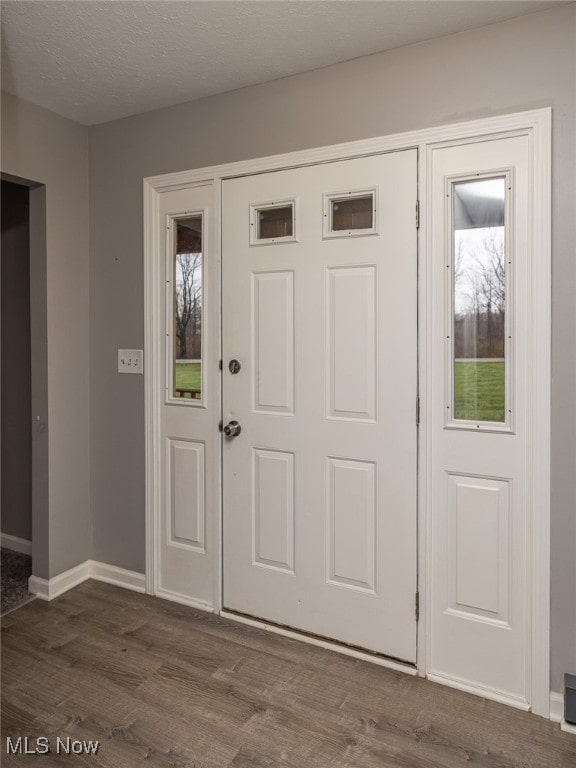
[273, 509]
[351, 524]
[273, 341]
[479, 523]
[351, 324]
[187, 509]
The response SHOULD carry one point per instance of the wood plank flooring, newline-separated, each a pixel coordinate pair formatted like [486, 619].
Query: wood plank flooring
[160, 684]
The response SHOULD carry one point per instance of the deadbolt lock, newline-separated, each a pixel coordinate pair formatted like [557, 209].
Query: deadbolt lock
[234, 366]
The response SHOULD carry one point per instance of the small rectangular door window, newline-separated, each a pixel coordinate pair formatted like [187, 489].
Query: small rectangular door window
[479, 300]
[350, 214]
[273, 222]
[187, 307]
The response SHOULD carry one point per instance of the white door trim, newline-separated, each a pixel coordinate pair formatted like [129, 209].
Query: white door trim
[537, 124]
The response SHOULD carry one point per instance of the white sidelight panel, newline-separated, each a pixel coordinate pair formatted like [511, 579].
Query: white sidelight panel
[187, 397]
[188, 512]
[351, 528]
[351, 323]
[273, 326]
[480, 517]
[273, 512]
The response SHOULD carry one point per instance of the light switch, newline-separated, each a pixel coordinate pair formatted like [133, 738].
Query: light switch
[129, 361]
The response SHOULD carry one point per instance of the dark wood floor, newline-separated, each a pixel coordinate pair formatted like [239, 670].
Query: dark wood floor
[163, 685]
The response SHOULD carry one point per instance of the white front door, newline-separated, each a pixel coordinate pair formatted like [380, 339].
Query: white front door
[320, 313]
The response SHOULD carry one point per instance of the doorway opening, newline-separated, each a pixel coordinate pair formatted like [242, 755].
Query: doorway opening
[24, 439]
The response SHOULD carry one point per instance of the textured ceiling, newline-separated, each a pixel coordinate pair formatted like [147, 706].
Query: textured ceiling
[94, 61]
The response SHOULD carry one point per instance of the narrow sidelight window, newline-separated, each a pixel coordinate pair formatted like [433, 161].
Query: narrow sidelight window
[187, 307]
[479, 279]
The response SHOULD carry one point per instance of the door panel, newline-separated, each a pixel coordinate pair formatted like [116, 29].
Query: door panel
[320, 485]
[273, 324]
[351, 352]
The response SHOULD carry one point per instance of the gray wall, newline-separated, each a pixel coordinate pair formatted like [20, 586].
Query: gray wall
[42, 147]
[522, 64]
[16, 357]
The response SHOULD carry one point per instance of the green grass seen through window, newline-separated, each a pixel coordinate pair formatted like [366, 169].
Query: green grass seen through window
[479, 390]
[188, 376]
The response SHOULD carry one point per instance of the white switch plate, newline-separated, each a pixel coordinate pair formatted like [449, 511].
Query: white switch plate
[129, 361]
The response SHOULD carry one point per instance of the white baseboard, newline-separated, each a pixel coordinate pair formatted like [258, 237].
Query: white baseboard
[120, 577]
[557, 712]
[177, 597]
[48, 589]
[503, 697]
[16, 544]
[556, 707]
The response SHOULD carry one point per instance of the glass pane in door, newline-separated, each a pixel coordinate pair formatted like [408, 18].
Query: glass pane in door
[274, 223]
[479, 300]
[187, 307]
[352, 212]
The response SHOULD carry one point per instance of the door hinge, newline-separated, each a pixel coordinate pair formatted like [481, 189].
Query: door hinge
[418, 410]
[417, 214]
[417, 606]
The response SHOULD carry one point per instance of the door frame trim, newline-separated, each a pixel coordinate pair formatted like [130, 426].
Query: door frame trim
[536, 124]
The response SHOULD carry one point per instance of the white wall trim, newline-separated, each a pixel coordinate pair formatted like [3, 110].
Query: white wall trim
[48, 589]
[176, 597]
[538, 468]
[478, 690]
[556, 707]
[120, 577]
[536, 123]
[152, 385]
[16, 544]
[346, 150]
[557, 712]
